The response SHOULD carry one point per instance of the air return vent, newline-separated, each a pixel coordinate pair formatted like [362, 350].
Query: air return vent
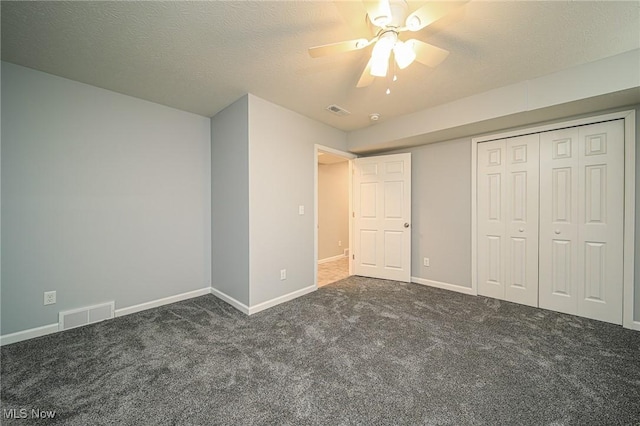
[337, 110]
[83, 316]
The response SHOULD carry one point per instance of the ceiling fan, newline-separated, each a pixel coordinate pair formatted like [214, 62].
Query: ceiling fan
[389, 20]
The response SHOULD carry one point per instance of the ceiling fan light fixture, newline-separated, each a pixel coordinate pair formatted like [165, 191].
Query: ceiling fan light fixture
[381, 53]
[385, 44]
[404, 54]
[379, 65]
[390, 16]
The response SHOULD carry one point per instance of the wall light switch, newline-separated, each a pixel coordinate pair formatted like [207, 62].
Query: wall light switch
[300, 209]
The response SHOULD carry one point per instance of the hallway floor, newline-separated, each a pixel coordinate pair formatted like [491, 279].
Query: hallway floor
[333, 271]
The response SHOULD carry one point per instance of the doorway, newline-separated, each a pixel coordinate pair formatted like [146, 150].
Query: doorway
[333, 222]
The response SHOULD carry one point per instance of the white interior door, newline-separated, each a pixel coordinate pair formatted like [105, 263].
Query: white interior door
[507, 188]
[382, 217]
[581, 220]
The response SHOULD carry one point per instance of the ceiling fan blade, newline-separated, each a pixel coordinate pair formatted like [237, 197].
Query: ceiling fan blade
[427, 54]
[366, 78]
[378, 12]
[348, 10]
[430, 13]
[340, 47]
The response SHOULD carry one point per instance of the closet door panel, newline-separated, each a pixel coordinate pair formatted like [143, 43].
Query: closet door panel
[491, 218]
[601, 179]
[581, 220]
[558, 252]
[522, 205]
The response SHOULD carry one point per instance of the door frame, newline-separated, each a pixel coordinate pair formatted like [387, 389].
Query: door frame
[350, 157]
[629, 118]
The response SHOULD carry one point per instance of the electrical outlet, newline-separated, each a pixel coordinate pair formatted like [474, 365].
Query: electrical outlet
[339, 243]
[49, 297]
[300, 210]
[425, 262]
[283, 274]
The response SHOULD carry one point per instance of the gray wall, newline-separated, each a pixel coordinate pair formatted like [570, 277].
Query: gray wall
[333, 209]
[281, 178]
[104, 197]
[441, 212]
[230, 200]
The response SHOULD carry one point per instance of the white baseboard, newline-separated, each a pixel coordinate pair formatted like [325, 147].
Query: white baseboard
[445, 286]
[632, 325]
[53, 328]
[31, 333]
[160, 302]
[331, 259]
[278, 300]
[230, 300]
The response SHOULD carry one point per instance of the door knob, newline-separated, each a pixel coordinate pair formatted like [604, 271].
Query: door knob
[557, 231]
[521, 229]
[406, 225]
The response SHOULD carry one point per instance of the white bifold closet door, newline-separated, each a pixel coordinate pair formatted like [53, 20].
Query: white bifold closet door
[581, 220]
[507, 186]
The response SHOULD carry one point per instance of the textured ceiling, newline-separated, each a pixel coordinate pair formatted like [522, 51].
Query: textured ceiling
[202, 56]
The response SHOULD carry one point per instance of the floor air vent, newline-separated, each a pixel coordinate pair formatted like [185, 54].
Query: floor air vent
[83, 316]
[337, 110]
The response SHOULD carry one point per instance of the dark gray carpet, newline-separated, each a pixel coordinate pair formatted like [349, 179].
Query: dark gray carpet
[360, 351]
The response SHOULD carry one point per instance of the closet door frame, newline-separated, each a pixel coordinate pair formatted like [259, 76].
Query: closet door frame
[629, 118]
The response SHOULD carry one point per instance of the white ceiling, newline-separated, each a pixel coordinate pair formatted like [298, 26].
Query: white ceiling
[202, 56]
